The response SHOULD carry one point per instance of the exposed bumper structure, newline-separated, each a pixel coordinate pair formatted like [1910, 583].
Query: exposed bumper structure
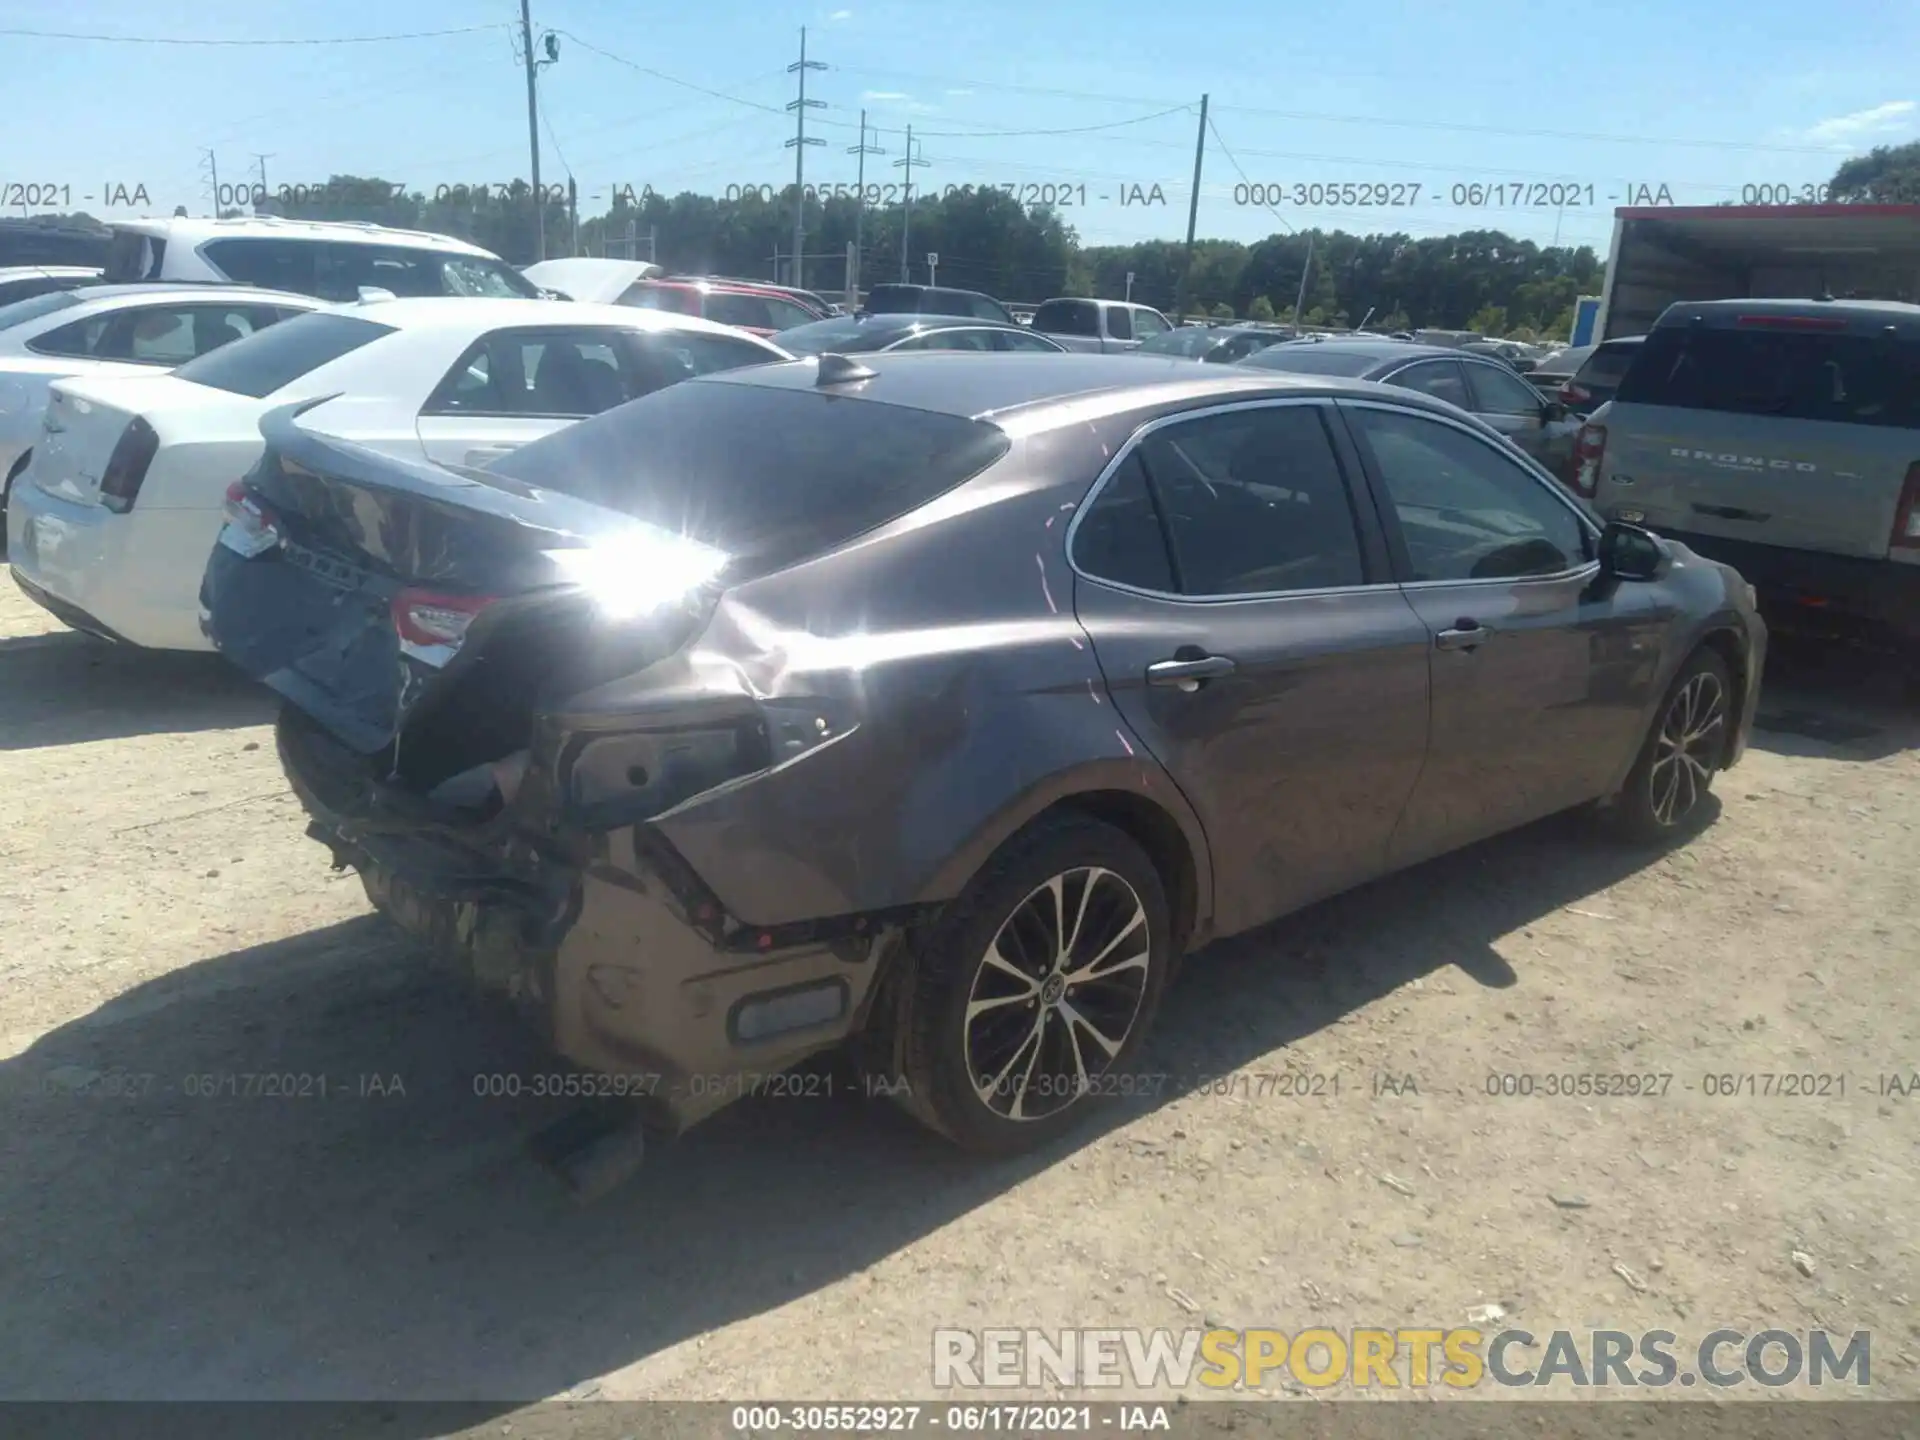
[606, 942]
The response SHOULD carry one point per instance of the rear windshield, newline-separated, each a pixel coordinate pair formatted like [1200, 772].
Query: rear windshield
[32, 309]
[279, 355]
[1312, 359]
[769, 475]
[843, 332]
[1796, 375]
[893, 300]
[1188, 340]
[1607, 364]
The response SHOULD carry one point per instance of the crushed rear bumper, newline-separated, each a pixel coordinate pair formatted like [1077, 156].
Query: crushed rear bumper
[608, 944]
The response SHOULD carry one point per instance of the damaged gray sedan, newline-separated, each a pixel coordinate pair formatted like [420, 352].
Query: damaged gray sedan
[941, 705]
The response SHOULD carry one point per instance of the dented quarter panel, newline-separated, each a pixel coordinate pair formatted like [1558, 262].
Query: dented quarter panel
[974, 691]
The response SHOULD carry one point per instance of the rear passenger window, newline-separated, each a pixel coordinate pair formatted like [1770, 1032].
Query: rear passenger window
[1119, 538]
[536, 373]
[272, 264]
[1438, 378]
[1254, 502]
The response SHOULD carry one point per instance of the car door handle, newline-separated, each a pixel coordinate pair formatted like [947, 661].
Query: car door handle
[1465, 634]
[1189, 673]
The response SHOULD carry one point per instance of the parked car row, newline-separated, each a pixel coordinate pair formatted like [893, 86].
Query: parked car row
[109, 524]
[723, 706]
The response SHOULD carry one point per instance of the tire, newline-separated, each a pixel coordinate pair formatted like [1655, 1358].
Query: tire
[1665, 792]
[1103, 883]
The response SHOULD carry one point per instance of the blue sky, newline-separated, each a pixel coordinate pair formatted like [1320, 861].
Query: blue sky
[1705, 97]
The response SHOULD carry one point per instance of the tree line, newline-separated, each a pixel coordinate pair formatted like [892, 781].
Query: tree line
[987, 240]
[1484, 280]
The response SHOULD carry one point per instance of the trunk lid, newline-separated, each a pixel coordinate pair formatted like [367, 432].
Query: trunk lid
[1778, 423]
[388, 595]
[1806, 485]
[86, 416]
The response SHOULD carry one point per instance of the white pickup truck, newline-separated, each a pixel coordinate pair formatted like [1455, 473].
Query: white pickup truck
[1098, 325]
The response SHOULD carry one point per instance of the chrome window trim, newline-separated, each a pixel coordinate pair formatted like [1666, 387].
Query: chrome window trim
[1513, 456]
[1151, 427]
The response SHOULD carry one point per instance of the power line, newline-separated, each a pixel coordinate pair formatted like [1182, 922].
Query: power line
[669, 79]
[314, 40]
[1016, 134]
[1224, 150]
[1441, 125]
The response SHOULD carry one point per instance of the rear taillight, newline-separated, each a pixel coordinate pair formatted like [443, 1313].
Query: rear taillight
[252, 527]
[1906, 515]
[427, 617]
[1572, 394]
[1588, 451]
[126, 468]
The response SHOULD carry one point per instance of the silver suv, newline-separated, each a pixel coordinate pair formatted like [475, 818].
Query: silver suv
[1783, 438]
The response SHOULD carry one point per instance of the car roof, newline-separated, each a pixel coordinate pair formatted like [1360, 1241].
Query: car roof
[190, 290]
[915, 286]
[982, 385]
[922, 320]
[723, 287]
[1380, 350]
[1857, 313]
[478, 313]
[193, 230]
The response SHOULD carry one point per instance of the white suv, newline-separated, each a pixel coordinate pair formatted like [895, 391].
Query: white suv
[332, 260]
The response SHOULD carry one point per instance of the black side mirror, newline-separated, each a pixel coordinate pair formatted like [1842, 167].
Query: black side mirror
[1553, 411]
[1628, 552]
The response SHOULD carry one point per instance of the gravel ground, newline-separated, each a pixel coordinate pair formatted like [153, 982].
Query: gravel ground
[167, 919]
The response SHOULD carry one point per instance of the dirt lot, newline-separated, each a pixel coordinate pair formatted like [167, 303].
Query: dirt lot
[166, 918]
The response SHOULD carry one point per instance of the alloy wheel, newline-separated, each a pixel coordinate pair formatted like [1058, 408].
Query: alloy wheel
[1687, 750]
[1056, 994]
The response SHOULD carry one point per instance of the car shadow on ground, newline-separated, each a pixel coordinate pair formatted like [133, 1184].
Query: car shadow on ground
[163, 1243]
[66, 688]
[1829, 700]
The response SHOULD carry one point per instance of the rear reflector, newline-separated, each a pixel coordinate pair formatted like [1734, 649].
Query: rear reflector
[1906, 515]
[1588, 451]
[1791, 322]
[426, 617]
[126, 468]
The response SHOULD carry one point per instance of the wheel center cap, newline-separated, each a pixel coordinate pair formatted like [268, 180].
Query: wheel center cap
[1053, 989]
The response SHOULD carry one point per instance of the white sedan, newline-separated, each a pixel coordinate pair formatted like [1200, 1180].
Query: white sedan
[115, 330]
[113, 519]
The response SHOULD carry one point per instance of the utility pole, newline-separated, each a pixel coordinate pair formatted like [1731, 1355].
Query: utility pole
[907, 162]
[533, 133]
[213, 179]
[573, 214]
[260, 163]
[1193, 211]
[860, 209]
[799, 144]
[1305, 270]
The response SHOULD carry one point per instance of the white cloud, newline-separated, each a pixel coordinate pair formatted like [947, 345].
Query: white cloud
[1844, 130]
[839, 15]
[885, 95]
[959, 92]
